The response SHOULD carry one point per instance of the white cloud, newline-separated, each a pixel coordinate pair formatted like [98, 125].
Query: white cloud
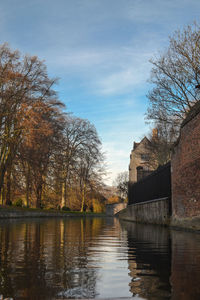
[123, 81]
[117, 160]
[107, 71]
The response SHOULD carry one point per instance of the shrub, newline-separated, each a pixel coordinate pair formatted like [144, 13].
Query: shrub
[65, 208]
[19, 202]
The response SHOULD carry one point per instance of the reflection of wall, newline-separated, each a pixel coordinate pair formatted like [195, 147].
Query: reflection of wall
[185, 277]
[149, 260]
[163, 263]
[112, 209]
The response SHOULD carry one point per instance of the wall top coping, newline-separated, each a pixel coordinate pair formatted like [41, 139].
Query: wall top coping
[150, 201]
[114, 204]
[195, 110]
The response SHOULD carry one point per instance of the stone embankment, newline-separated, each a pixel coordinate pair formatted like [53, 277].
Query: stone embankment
[114, 208]
[31, 213]
[151, 212]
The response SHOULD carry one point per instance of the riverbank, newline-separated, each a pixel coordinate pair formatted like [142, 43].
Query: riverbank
[21, 212]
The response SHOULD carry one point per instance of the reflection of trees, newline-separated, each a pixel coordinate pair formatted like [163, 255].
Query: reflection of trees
[149, 260]
[42, 259]
[5, 279]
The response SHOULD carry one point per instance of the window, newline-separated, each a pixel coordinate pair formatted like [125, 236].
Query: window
[145, 156]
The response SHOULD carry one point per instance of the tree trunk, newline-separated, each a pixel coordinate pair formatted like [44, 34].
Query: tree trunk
[27, 185]
[2, 175]
[39, 196]
[64, 194]
[8, 184]
[83, 197]
[2, 195]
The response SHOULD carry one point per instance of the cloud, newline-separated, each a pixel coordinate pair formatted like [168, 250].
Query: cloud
[106, 71]
[123, 81]
[117, 160]
[100, 49]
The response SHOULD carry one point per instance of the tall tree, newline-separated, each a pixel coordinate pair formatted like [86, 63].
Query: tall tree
[121, 183]
[80, 153]
[174, 76]
[43, 123]
[23, 81]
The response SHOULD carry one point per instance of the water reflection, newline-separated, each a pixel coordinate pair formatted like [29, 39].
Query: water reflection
[185, 277]
[97, 258]
[163, 263]
[41, 259]
[149, 260]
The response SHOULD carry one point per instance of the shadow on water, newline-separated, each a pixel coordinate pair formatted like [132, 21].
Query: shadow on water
[97, 258]
[163, 263]
[149, 260]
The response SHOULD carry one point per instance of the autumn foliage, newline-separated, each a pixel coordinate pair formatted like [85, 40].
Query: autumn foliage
[48, 158]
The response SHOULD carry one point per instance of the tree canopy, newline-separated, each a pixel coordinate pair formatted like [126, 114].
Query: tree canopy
[47, 156]
[175, 76]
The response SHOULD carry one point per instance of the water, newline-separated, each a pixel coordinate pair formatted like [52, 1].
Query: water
[97, 258]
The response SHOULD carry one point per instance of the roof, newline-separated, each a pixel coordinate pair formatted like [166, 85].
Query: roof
[135, 145]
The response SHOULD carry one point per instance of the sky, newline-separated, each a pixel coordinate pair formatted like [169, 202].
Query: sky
[100, 51]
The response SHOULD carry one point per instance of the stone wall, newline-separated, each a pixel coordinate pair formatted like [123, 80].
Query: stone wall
[186, 173]
[112, 209]
[13, 213]
[153, 212]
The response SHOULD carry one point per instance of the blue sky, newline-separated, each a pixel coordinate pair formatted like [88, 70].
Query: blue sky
[100, 50]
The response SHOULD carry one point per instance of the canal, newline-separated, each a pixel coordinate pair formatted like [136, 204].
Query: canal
[100, 257]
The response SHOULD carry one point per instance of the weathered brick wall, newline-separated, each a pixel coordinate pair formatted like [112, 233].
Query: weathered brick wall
[186, 169]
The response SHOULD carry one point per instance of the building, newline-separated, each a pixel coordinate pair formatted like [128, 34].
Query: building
[139, 166]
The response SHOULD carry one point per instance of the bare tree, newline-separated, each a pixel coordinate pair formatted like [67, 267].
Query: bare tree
[161, 140]
[175, 74]
[121, 182]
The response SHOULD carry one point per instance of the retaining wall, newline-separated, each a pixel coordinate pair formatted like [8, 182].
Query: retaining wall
[112, 209]
[22, 213]
[153, 212]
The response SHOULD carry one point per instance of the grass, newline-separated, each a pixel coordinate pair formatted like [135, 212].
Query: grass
[17, 208]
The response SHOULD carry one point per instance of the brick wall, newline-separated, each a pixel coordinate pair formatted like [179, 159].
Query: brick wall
[186, 169]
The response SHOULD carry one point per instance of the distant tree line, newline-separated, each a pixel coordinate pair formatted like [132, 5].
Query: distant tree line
[48, 158]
